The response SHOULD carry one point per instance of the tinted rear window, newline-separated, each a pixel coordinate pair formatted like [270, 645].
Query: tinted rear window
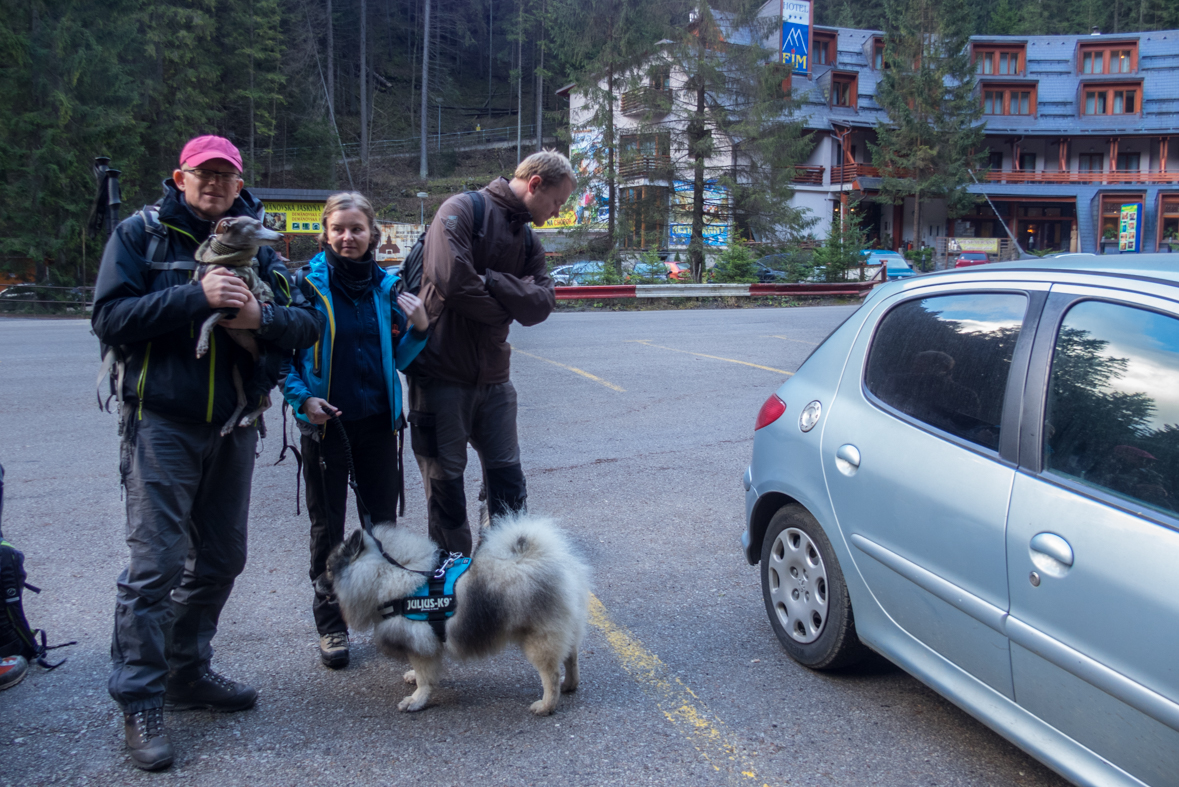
[945, 361]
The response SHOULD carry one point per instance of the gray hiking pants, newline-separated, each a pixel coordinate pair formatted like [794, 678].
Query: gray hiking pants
[443, 418]
[188, 497]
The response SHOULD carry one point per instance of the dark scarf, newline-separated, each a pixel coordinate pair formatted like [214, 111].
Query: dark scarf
[354, 277]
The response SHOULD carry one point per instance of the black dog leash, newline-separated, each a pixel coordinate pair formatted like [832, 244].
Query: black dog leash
[366, 520]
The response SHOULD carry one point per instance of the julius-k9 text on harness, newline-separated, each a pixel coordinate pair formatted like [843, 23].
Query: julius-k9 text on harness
[434, 600]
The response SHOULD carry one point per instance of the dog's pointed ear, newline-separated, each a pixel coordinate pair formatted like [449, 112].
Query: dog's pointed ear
[223, 225]
[355, 542]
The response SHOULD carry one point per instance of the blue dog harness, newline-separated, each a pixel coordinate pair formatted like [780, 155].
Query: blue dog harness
[434, 601]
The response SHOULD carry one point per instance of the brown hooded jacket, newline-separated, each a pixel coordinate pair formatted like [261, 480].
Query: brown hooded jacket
[473, 288]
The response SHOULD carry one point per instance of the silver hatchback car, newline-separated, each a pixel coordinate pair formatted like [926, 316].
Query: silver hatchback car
[977, 476]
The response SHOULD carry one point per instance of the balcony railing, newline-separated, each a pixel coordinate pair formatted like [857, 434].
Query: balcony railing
[1069, 176]
[810, 175]
[646, 99]
[646, 167]
[847, 173]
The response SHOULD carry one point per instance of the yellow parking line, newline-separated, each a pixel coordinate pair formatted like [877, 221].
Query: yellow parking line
[647, 343]
[575, 370]
[707, 734]
[788, 339]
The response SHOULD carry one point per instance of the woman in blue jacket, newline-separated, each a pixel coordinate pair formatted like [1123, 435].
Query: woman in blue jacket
[351, 374]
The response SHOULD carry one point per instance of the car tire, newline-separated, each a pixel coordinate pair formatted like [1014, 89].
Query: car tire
[805, 596]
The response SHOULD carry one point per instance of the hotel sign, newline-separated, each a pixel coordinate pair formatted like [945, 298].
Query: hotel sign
[1130, 227]
[796, 35]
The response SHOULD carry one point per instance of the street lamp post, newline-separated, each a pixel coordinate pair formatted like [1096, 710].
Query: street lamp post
[422, 204]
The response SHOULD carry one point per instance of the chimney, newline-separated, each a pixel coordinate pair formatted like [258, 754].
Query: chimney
[1095, 32]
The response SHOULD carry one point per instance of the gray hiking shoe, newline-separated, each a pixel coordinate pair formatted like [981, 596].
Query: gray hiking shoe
[12, 671]
[210, 691]
[151, 750]
[333, 649]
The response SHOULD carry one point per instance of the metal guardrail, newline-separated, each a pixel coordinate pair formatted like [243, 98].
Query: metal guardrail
[84, 297]
[816, 289]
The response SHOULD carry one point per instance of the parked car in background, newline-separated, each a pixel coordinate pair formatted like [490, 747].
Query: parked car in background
[968, 258]
[657, 271]
[896, 266]
[983, 466]
[770, 269]
[578, 273]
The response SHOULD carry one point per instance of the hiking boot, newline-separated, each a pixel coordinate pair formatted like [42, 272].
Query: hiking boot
[333, 649]
[14, 668]
[209, 692]
[146, 738]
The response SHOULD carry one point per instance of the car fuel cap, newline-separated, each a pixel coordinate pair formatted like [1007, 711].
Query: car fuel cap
[810, 416]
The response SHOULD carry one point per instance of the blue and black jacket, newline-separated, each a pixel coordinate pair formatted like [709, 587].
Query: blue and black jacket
[155, 316]
[311, 374]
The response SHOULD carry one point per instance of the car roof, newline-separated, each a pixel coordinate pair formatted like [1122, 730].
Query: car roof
[1161, 267]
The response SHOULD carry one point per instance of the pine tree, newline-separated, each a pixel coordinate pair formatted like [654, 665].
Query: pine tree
[932, 138]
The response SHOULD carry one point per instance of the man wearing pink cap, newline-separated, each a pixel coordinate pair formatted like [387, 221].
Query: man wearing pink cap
[188, 487]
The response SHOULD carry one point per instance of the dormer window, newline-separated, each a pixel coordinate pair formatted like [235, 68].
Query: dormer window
[1110, 99]
[878, 54]
[843, 90]
[823, 48]
[1009, 99]
[1108, 58]
[1007, 60]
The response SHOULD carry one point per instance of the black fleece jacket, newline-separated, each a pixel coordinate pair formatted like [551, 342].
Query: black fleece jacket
[155, 317]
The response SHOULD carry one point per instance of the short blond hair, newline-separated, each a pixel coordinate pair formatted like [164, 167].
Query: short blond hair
[551, 166]
[350, 200]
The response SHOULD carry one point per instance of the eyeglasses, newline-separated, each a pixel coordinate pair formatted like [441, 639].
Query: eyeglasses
[211, 175]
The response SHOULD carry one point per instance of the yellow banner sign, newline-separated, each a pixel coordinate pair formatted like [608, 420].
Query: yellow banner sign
[300, 218]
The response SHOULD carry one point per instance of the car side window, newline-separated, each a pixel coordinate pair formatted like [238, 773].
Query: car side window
[944, 360]
[1112, 416]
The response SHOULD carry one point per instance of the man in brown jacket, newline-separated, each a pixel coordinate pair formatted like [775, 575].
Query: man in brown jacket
[460, 389]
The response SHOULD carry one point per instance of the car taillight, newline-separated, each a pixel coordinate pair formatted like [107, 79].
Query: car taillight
[770, 411]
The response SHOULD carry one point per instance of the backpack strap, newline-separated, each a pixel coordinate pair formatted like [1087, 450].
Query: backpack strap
[477, 220]
[157, 243]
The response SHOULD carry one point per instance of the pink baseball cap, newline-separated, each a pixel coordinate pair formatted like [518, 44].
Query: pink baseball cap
[209, 147]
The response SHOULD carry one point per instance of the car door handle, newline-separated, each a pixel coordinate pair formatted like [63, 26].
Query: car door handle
[850, 454]
[1053, 546]
[847, 459]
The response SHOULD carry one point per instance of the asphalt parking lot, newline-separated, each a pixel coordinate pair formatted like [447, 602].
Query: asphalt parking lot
[635, 429]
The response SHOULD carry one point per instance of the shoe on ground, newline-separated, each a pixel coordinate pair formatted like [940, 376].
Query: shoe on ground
[12, 671]
[151, 750]
[333, 649]
[210, 691]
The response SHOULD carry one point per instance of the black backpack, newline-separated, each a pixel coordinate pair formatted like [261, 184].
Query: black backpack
[410, 279]
[17, 638]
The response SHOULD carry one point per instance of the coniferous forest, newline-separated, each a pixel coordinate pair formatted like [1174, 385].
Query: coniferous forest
[303, 86]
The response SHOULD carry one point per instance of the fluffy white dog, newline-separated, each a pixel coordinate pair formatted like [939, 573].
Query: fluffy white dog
[524, 586]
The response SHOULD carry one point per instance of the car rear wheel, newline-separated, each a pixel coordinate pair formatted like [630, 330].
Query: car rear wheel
[804, 592]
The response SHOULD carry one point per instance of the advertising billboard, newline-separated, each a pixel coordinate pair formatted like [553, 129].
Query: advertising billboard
[297, 218]
[396, 241]
[589, 203]
[1130, 227]
[716, 212]
[988, 245]
[796, 34]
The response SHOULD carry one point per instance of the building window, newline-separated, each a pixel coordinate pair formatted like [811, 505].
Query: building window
[1090, 162]
[644, 209]
[843, 90]
[660, 78]
[995, 61]
[1108, 58]
[1169, 223]
[1111, 213]
[823, 48]
[995, 161]
[1129, 162]
[1008, 100]
[1027, 162]
[878, 55]
[1110, 99]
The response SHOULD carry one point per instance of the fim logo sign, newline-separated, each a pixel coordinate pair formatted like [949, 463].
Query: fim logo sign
[429, 604]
